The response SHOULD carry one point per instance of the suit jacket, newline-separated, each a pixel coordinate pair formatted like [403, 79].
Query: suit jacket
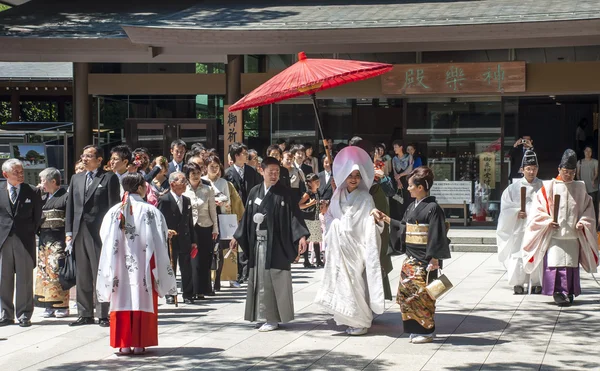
[172, 167]
[90, 208]
[181, 222]
[284, 176]
[251, 179]
[26, 218]
[325, 189]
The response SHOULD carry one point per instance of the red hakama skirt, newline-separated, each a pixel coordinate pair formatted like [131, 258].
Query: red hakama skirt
[135, 329]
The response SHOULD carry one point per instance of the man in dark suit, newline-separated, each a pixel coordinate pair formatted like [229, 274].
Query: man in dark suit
[325, 188]
[91, 194]
[20, 218]
[243, 178]
[178, 149]
[178, 213]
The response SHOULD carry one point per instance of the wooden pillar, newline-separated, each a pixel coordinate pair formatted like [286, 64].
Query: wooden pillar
[15, 106]
[233, 75]
[82, 107]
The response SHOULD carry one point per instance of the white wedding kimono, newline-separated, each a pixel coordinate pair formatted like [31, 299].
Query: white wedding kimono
[124, 276]
[352, 286]
[511, 229]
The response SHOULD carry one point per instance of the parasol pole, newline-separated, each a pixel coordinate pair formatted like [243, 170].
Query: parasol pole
[313, 97]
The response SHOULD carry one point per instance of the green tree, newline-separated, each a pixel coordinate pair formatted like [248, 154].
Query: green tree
[4, 7]
[33, 156]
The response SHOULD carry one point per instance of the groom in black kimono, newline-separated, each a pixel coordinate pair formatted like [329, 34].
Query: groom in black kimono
[273, 233]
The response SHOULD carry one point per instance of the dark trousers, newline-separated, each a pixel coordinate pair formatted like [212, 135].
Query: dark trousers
[222, 246]
[87, 255]
[317, 251]
[185, 266]
[242, 266]
[202, 262]
[15, 261]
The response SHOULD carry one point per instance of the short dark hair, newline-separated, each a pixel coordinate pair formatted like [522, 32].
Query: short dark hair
[123, 151]
[269, 161]
[354, 140]
[307, 146]
[274, 147]
[132, 181]
[311, 177]
[236, 149]
[297, 148]
[281, 141]
[190, 167]
[178, 143]
[99, 151]
[422, 176]
[214, 158]
[141, 150]
[198, 146]
[398, 143]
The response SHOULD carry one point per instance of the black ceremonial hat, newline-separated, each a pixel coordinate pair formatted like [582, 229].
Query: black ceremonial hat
[529, 159]
[569, 160]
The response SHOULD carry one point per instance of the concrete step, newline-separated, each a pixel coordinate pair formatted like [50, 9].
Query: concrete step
[473, 240]
[473, 247]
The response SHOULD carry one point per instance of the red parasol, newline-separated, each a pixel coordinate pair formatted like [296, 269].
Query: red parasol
[308, 76]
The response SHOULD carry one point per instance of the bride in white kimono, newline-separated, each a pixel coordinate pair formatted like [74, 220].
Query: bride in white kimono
[352, 287]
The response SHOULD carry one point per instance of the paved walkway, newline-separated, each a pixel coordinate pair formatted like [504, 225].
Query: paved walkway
[481, 325]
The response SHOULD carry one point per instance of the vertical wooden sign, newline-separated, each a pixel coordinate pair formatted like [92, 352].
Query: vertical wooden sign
[233, 130]
[487, 169]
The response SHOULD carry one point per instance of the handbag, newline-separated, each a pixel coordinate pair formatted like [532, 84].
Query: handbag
[230, 266]
[67, 271]
[438, 287]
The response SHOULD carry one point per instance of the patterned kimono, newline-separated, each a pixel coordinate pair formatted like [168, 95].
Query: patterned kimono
[48, 292]
[417, 307]
[134, 269]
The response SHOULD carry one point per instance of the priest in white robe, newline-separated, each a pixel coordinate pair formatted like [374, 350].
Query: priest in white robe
[561, 246]
[134, 268]
[352, 287]
[511, 227]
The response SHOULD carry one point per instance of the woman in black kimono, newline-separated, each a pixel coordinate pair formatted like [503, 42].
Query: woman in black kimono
[48, 291]
[421, 234]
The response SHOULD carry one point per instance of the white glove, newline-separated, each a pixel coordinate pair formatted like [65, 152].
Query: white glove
[69, 247]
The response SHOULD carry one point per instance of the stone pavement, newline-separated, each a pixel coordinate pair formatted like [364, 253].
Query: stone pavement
[481, 325]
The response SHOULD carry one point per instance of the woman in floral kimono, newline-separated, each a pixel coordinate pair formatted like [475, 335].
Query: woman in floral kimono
[134, 268]
[421, 234]
[48, 291]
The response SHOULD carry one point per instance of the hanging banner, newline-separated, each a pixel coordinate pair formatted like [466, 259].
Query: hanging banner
[487, 169]
[233, 130]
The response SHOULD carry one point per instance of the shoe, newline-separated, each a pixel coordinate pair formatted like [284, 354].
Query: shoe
[24, 323]
[199, 297]
[188, 301]
[560, 299]
[124, 350]
[309, 266]
[212, 293]
[518, 289]
[571, 298]
[536, 290]
[269, 326]
[320, 265]
[82, 321]
[6, 322]
[49, 312]
[103, 322]
[62, 313]
[139, 351]
[422, 339]
[170, 300]
[235, 284]
[356, 331]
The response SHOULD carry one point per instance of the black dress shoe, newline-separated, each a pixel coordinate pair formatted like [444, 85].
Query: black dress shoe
[188, 301]
[518, 290]
[6, 322]
[24, 323]
[82, 321]
[103, 322]
[212, 293]
[170, 300]
[309, 266]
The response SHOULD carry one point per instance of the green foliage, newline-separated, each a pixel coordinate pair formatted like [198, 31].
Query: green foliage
[204, 68]
[251, 123]
[4, 7]
[31, 111]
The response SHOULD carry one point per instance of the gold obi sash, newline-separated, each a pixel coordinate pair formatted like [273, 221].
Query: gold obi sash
[416, 234]
[53, 219]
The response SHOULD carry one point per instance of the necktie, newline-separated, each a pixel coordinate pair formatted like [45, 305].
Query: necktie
[177, 167]
[179, 206]
[241, 171]
[88, 181]
[13, 194]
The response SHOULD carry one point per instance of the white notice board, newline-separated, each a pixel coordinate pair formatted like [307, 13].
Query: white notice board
[447, 192]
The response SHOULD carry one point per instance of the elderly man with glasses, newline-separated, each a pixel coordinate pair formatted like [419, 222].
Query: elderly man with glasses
[561, 233]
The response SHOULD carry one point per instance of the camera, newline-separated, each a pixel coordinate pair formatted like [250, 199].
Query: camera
[523, 141]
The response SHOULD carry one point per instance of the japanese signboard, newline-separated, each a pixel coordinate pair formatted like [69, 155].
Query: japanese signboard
[233, 130]
[447, 192]
[455, 78]
[487, 169]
